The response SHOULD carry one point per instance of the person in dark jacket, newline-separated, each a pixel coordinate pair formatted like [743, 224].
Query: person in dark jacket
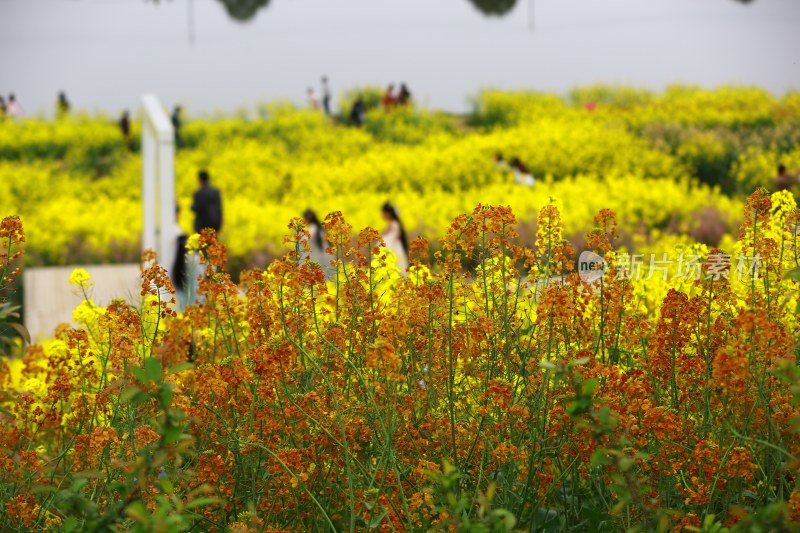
[326, 96]
[207, 205]
[177, 124]
[178, 271]
[404, 97]
[358, 111]
[784, 181]
[125, 127]
[62, 105]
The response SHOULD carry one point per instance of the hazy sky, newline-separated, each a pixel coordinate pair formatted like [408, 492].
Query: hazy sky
[105, 53]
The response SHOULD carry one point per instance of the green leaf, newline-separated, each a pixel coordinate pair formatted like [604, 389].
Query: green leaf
[173, 434]
[79, 483]
[9, 310]
[508, 520]
[177, 522]
[598, 458]
[376, 521]
[22, 330]
[589, 385]
[166, 486]
[70, 524]
[140, 375]
[128, 394]
[547, 520]
[137, 512]
[166, 395]
[153, 368]
[202, 502]
[43, 489]
[180, 367]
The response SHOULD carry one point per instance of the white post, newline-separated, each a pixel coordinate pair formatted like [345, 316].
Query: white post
[167, 235]
[149, 179]
[158, 181]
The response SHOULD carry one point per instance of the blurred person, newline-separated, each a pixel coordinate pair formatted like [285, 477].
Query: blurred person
[177, 124]
[313, 100]
[14, 108]
[178, 272]
[206, 205]
[315, 231]
[784, 181]
[358, 111]
[521, 174]
[62, 105]
[326, 96]
[388, 98]
[404, 96]
[125, 125]
[316, 241]
[500, 162]
[395, 236]
[3, 107]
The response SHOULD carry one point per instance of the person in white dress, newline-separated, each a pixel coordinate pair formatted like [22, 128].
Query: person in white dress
[313, 99]
[522, 175]
[395, 236]
[316, 242]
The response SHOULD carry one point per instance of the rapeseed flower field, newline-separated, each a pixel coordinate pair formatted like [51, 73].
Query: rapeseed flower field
[660, 161]
[498, 385]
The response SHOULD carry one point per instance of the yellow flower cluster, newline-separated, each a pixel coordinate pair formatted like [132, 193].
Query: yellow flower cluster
[79, 277]
[77, 183]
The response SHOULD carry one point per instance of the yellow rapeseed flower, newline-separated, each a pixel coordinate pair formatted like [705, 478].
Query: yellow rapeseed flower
[80, 277]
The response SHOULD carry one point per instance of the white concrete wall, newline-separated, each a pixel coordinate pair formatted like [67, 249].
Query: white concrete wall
[50, 299]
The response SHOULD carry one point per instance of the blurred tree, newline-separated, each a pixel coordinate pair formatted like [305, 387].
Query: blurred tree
[243, 10]
[494, 7]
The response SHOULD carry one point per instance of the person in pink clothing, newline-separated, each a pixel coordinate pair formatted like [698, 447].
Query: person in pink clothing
[14, 108]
